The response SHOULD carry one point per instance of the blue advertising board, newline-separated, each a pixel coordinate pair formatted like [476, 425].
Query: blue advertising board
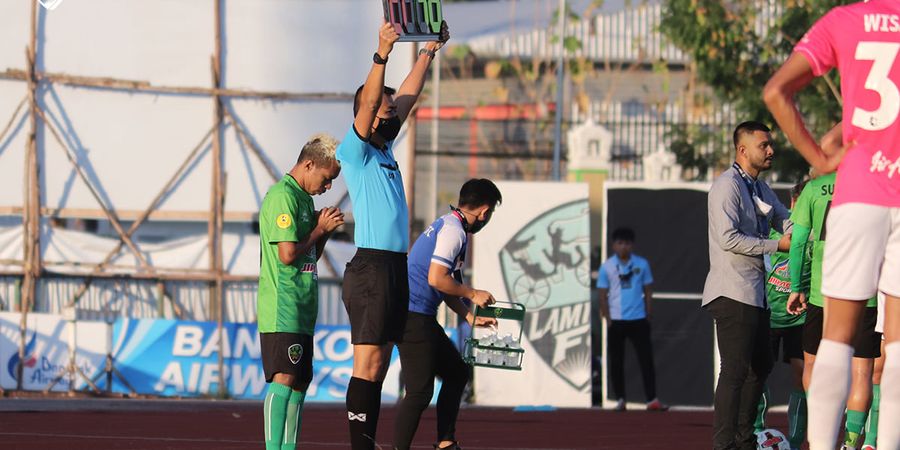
[174, 358]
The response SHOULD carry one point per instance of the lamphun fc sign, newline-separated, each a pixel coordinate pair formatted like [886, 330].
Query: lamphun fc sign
[414, 20]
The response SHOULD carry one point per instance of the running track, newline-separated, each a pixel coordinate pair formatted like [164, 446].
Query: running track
[72, 424]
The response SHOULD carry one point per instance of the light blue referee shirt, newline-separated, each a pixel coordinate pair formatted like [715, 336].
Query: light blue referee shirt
[625, 282]
[376, 191]
[443, 242]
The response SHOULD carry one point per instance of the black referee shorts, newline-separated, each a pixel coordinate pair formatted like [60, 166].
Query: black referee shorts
[376, 296]
[866, 344]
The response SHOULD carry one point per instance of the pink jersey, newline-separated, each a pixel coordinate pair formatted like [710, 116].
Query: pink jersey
[863, 41]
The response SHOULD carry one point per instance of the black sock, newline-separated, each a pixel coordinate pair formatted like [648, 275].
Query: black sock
[363, 406]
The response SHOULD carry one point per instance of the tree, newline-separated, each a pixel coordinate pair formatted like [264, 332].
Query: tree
[735, 46]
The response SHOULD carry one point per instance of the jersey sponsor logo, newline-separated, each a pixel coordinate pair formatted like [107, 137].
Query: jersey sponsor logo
[283, 221]
[295, 352]
[881, 163]
[782, 269]
[308, 267]
[780, 285]
[361, 417]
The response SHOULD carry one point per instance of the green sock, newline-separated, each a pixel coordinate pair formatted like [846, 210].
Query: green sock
[797, 418]
[292, 420]
[856, 420]
[761, 409]
[872, 421]
[274, 410]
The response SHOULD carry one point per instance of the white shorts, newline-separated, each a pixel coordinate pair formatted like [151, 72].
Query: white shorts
[862, 252]
[879, 324]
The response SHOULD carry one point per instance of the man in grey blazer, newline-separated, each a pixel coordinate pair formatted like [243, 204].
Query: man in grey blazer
[741, 210]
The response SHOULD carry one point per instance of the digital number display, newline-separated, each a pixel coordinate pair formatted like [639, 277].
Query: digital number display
[414, 20]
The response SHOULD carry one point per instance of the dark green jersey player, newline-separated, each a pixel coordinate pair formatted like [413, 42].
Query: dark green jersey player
[810, 224]
[786, 335]
[778, 286]
[292, 236]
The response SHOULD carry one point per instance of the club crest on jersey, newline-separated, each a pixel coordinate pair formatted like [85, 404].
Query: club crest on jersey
[295, 352]
[283, 221]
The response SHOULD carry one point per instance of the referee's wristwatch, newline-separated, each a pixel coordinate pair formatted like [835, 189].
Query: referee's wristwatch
[377, 59]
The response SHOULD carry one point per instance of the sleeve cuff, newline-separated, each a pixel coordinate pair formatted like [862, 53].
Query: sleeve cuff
[356, 132]
[770, 246]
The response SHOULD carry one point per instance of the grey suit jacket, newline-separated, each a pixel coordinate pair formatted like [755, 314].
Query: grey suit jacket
[736, 268]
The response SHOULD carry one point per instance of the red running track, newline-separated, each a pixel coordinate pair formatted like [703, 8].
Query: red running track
[94, 424]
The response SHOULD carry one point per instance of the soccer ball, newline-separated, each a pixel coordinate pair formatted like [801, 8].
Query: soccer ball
[771, 439]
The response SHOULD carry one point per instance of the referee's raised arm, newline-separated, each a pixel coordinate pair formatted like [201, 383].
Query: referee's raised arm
[369, 99]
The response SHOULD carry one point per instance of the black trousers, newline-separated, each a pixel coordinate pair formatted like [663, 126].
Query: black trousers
[638, 332]
[742, 332]
[427, 352]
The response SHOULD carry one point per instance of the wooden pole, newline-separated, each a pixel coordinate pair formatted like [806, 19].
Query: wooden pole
[32, 217]
[273, 172]
[218, 199]
[116, 84]
[140, 220]
[113, 219]
[12, 119]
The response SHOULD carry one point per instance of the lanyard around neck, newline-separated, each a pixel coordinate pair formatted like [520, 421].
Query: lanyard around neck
[762, 223]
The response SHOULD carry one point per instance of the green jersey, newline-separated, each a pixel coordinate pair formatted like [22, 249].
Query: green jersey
[778, 289]
[288, 295]
[811, 211]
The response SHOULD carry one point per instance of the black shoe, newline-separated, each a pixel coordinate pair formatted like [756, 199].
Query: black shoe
[453, 446]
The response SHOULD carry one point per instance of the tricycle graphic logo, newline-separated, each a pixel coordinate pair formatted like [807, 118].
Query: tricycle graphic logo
[546, 267]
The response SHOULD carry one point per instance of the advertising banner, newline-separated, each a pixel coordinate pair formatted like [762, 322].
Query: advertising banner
[47, 343]
[536, 251]
[180, 358]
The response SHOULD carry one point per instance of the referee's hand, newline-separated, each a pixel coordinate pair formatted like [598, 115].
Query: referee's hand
[796, 303]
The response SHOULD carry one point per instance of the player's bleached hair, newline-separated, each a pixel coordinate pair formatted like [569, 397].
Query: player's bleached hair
[320, 150]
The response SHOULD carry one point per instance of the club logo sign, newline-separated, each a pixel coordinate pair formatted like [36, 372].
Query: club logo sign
[546, 267]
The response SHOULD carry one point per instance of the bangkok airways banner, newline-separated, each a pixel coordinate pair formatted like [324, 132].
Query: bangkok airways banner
[536, 251]
[180, 358]
[48, 339]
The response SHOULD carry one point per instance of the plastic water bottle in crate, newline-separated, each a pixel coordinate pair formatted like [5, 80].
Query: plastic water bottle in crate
[499, 347]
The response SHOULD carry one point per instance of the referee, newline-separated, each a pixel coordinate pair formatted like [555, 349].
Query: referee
[741, 210]
[376, 290]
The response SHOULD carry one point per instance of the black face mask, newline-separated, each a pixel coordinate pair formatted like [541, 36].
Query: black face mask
[467, 227]
[388, 129]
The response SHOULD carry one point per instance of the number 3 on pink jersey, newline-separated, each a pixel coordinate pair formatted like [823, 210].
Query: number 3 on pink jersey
[883, 55]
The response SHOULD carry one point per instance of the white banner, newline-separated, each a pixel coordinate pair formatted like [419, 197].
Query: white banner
[129, 144]
[536, 251]
[47, 340]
